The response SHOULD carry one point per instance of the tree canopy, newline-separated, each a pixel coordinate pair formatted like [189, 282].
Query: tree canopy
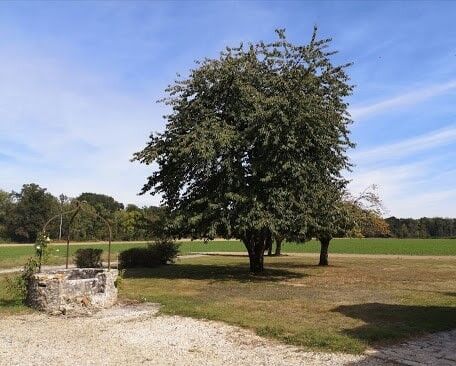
[32, 207]
[255, 144]
[101, 202]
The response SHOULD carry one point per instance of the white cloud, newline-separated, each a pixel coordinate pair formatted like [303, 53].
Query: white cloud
[70, 130]
[403, 100]
[410, 187]
[410, 190]
[406, 147]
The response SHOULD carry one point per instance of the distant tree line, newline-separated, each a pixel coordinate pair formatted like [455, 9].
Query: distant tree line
[23, 215]
[435, 227]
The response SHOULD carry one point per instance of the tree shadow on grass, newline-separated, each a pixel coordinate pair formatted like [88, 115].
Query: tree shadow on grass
[212, 272]
[296, 265]
[449, 293]
[389, 323]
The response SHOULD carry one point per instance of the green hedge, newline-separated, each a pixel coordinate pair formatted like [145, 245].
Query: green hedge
[155, 254]
[88, 258]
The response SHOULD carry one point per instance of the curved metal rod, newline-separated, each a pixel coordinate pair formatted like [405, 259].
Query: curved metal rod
[74, 211]
[68, 234]
[56, 216]
[95, 214]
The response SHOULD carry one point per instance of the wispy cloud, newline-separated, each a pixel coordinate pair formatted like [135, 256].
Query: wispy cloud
[411, 189]
[69, 130]
[403, 100]
[407, 147]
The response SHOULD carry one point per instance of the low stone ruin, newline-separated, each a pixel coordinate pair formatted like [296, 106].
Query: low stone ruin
[79, 290]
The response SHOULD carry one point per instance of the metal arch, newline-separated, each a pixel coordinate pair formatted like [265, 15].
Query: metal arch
[74, 212]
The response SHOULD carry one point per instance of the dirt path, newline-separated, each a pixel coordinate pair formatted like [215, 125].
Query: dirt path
[62, 243]
[242, 254]
[339, 255]
[114, 264]
[135, 335]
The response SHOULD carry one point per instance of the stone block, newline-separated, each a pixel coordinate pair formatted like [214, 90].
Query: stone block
[79, 290]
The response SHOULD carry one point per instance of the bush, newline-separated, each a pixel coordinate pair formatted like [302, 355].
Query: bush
[17, 286]
[88, 258]
[166, 251]
[155, 254]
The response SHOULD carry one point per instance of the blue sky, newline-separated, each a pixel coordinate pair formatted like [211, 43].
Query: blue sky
[79, 81]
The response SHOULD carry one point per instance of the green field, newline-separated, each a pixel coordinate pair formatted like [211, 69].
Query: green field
[348, 246]
[12, 256]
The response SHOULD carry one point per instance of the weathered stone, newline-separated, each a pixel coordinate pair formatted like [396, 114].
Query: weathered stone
[80, 290]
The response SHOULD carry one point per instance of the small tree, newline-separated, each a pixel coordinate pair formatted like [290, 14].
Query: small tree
[254, 139]
[366, 210]
[341, 213]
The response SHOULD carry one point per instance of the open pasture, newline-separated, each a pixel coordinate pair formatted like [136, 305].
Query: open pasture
[16, 255]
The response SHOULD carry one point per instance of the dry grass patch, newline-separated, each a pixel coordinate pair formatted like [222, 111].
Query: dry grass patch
[353, 304]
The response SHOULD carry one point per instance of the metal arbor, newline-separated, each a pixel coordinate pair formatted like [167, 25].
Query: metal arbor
[73, 212]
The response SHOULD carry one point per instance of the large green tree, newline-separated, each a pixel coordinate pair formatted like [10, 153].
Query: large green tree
[33, 207]
[254, 138]
[102, 203]
[6, 205]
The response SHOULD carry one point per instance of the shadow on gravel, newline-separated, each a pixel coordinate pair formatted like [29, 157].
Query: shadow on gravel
[388, 323]
[213, 272]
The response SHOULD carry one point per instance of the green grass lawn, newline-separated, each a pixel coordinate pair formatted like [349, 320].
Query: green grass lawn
[16, 256]
[13, 256]
[353, 304]
[9, 303]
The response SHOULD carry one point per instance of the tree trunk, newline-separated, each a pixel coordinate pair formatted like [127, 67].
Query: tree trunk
[256, 245]
[278, 250]
[324, 251]
[258, 262]
[269, 244]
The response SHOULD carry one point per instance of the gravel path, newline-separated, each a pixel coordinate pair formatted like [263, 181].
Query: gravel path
[105, 264]
[134, 334]
[437, 349]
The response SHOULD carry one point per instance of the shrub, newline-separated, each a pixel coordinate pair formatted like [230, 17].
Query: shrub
[88, 258]
[133, 257]
[165, 250]
[17, 286]
[155, 254]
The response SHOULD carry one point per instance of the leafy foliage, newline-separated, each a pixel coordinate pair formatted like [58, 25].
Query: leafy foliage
[255, 144]
[101, 202]
[17, 286]
[88, 258]
[365, 212]
[425, 227]
[158, 253]
[6, 204]
[22, 216]
[41, 248]
[165, 250]
[32, 207]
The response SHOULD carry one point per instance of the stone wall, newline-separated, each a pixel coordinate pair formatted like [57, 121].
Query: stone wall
[79, 290]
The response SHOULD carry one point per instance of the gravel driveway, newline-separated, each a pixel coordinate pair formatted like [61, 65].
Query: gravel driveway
[135, 335]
